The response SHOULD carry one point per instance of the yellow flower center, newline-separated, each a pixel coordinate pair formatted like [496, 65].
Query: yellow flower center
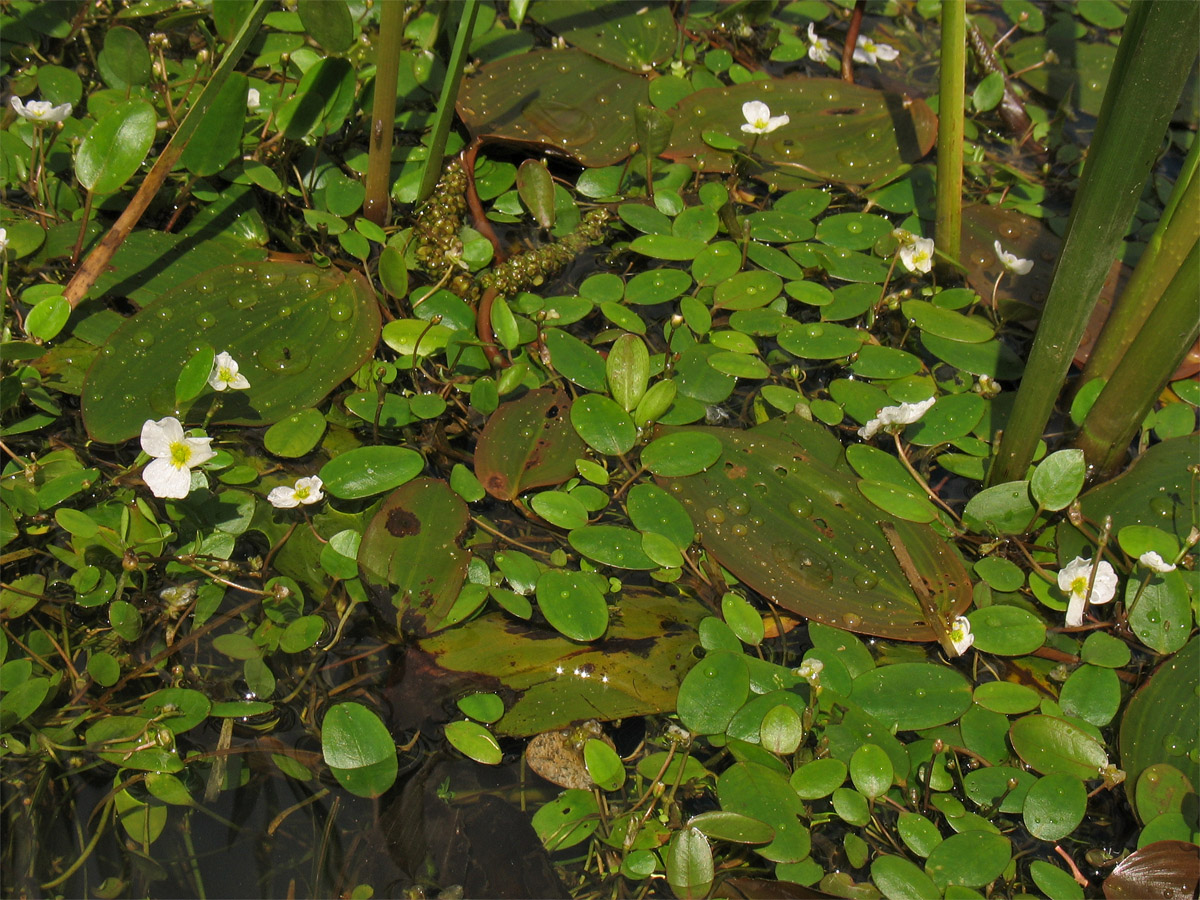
[225, 374]
[181, 454]
[1079, 586]
[303, 492]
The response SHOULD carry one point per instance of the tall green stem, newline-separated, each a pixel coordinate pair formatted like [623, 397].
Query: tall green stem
[1129, 395]
[1160, 261]
[383, 111]
[948, 234]
[1148, 75]
[445, 107]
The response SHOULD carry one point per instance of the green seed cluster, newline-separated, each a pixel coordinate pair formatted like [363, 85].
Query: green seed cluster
[438, 246]
[532, 267]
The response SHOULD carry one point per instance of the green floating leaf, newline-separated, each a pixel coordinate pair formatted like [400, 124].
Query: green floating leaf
[898, 877]
[912, 695]
[572, 604]
[820, 340]
[473, 740]
[1054, 806]
[295, 435]
[722, 825]
[125, 60]
[764, 794]
[603, 424]
[328, 22]
[1000, 509]
[568, 820]
[296, 332]
[410, 556]
[611, 545]
[972, 859]
[115, 147]
[358, 749]
[215, 144]
[1055, 746]
[689, 864]
[946, 323]
[1058, 479]
[681, 453]
[527, 443]
[838, 132]
[365, 471]
[714, 689]
[651, 509]
[604, 765]
[1007, 630]
[818, 778]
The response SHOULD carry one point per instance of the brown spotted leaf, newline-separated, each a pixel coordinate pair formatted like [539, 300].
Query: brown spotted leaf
[410, 557]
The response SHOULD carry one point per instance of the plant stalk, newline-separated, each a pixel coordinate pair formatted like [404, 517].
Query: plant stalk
[1144, 370]
[383, 112]
[951, 97]
[445, 108]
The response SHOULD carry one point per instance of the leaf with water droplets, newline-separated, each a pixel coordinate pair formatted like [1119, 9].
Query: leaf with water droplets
[296, 332]
[780, 510]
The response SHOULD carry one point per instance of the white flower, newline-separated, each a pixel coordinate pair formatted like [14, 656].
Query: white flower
[810, 669]
[253, 100]
[306, 491]
[1152, 560]
[1011, 262]
[917, 254]
[3, 239]
[1073, 579]
[892, 417]
[868, 51]
[170, 473]
[759, 119]
[819, 49]
[41, 111]
[960, 635]
[225, 374]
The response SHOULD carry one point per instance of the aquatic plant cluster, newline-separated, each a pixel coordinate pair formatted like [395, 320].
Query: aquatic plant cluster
[642, 440]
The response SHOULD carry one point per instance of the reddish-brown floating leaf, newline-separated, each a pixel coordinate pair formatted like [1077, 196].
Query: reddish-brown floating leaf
[837, 131]
[1169, 870]
[781, 510]
[528, 443]
[564, 98]
[410, 557]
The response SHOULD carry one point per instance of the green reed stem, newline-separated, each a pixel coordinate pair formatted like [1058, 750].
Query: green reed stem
[445, 108]
[1169, 331]
[951, 95]
[1148, 76]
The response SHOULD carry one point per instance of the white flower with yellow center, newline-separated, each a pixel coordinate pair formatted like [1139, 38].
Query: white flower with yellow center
[41, 112]
[819, 49]
[894, 418]
[759, 119]
[225, 374]
[960, 635]
[917, 254]
[253, 99]
[306, 491]
[1012, 263]
[1073, 580]
[870, 52]
[175, 455]
[3, 239]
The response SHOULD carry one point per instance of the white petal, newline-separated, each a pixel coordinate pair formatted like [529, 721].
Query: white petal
[755, 111]
[1104, 587]
[1075, 611]
[199, 451]
[18, 105]
[239, 382]
[869, 430]
[166, 480]
[308, 490]
[157, 437]
[283, 498]
[1071, 571]
[886, 52]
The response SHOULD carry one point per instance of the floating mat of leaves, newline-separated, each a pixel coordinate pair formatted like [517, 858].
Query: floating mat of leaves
[549, 682]
[296, 331]
[410, 557]
[565, 98]
[628, 33]
[837, 131]
[783, 513]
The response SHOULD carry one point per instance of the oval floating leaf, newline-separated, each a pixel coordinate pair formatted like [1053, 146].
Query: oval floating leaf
[527, 443]
[358, 749]
[370, 470]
